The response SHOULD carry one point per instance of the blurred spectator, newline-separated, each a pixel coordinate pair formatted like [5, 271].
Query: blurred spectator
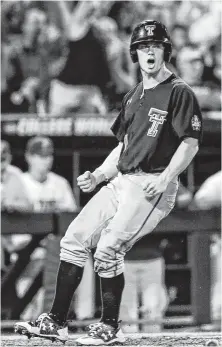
[216, 64]
[82, 83]
[57, 47]
[206, 27]
[13, 192]
[184, 197]
[121, 78]
[13, 15]
[12, 78]
[208, 195]
[190, 63]
[13, 199]
[179, 38]
[42, 53]
[126, 15]
[13, 195]
[144, 294]
[47, 191]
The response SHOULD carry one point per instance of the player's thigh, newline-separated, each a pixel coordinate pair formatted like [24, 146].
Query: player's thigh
[86, 228]
[126, 226]
[150, 214]
[136, 217]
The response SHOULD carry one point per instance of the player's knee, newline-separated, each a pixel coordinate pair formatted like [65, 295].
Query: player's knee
[73, 250]
[108, 264]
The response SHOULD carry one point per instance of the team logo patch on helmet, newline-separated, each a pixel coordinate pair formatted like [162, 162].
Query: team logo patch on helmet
[149, 29]
[196, 123]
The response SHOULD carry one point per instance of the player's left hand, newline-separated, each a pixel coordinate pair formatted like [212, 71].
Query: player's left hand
[154, 185]
[87, 182]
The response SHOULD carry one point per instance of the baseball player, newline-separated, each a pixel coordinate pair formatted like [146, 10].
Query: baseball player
[159, 129]
[47, 191]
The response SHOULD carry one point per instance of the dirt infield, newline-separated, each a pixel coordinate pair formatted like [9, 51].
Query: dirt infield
[176, 339]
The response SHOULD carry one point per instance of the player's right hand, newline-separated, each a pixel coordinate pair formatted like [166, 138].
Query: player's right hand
[87, 182]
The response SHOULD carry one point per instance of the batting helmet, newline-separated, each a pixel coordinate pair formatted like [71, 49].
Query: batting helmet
[150, 30]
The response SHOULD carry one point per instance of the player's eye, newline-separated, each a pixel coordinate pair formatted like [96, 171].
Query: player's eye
[142, 46]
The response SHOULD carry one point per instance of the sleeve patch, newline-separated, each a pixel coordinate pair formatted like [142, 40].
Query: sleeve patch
[195, 123]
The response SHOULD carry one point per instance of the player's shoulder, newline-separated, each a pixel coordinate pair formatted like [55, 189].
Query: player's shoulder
[128, 95]
[14, 170]
[57, 179]
[28, 180]
[181, 87]
[26, 175]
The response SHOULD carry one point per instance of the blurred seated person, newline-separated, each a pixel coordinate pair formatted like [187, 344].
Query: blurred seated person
[144, 294]
[13, 194]
[82, 84]
[190, 64]
[13, 199]
[13, 191]
[47, 191]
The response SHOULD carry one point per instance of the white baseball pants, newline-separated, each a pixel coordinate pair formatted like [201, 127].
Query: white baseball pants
[113, 220]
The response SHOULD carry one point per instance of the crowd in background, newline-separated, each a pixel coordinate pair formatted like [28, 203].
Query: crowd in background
[73, 56]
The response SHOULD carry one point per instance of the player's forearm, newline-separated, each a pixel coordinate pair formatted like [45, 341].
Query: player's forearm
[108, 169]
[181, 159]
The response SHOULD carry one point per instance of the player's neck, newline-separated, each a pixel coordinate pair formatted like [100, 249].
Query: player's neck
[152, 80]
[37, 176]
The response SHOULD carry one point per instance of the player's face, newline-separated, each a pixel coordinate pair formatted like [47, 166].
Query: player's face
[150, 56]
[40, 164]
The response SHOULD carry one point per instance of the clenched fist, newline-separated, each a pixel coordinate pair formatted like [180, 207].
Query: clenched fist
[87, 182]
[154, 185]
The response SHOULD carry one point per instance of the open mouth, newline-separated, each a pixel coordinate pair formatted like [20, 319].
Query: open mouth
[150, 61]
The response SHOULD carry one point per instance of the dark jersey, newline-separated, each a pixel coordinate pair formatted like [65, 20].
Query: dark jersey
[153, 124]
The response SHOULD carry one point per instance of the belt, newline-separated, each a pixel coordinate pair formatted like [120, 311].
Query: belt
[139, 170]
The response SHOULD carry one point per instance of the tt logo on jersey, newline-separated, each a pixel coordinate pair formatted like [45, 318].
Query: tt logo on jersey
[157, 117]
[196, 123]
[149, 29]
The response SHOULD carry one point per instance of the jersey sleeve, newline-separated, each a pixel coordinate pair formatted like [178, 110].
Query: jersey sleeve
[118, 127]
[186, 114]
